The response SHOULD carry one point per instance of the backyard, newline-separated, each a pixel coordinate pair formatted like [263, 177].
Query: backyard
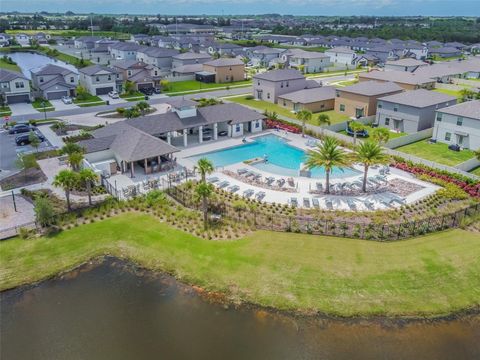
[265, 105]
[393, 134]
[437, 152]
[434, 274]
[197, 86]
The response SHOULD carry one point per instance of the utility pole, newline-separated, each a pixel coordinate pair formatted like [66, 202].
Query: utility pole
[91, 23]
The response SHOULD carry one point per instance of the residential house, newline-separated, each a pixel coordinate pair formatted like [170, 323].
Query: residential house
[316, 99]
[189, 58]
[14, 86]
[445, 52]
[223, 70]
[386, 52]
[406, 64]
[22, 39]
[309, 61]
[159, 57]
[459, 124]
[360, 100]
[85, 42]
[411, 111]
[5, 39]
[416, 50]
[185, 28]
[366, 60]
[100, 80]
[341, 55]
[140, 39]
[407, 80]
[262, 55]
[53, 82]
[125, 50]
[144, 76]
[268, 86]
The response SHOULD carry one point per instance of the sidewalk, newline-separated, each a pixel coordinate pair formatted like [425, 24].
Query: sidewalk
[55, 140]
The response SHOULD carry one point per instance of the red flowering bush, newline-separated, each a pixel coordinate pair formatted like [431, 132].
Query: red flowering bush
[277, 124]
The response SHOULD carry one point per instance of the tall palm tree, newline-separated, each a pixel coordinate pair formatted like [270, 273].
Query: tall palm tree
[369, 153]
[205, 167]
[67, 180]
[87, 176]
[304, 116]
[203, 192]
[381, 135]
[323, 120]
[71, 147]
[75, 159]
[329, 155]
[356, 127]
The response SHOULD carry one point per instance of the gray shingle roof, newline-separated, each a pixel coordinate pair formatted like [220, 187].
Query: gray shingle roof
[157, 52]
[94, 69]
[51, 69]
[419, 98]
[371, 88]
[224, 62]
[9, 75]
[407, 62]
[401, 77]
[307, 96]
[470, 109]
[191, 56]
[280, 75]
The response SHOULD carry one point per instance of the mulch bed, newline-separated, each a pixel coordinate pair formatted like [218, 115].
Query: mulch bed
[31, 176]
[402, 187]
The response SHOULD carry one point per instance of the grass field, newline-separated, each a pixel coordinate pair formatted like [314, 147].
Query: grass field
[91, 100]
[5, 111]
[8, 66]
[430, 275]
[476, 171]
[449, 92]
[135, 95]
[393, 135]
[192, 85]
[76, 33]
[37, 104]
[438, 152]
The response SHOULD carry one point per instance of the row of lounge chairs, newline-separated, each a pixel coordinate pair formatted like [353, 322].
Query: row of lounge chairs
[374, 183]
[235, 188]
[268, 181]
[353, 204]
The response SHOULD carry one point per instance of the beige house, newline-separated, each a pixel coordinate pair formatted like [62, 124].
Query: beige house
[360, 100]
[314, 99]
[407, 80]
[223, 70]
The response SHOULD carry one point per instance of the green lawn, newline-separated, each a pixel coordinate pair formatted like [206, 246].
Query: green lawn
[135, 95]
[5, 111]
[345, 83]
[393, 135]
[476, 171]
[37, 104]
[91, 100]
[438, 152]
[430, 275]
[192, 86]
[449, 92]
[265, 105]
[8, 66]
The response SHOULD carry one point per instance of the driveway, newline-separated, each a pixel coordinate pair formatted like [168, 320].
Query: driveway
[22, 109]
[59, 105]
[112, 101]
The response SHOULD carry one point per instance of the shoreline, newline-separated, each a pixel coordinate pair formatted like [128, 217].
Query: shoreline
[222, 297]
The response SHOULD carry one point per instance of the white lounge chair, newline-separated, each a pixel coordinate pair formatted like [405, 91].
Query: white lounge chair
[329, 204]
[248, 193]
[213, 179]
[315, 203]
[260, 195]
[223, 184]
[294, 201]
[306, 202]
[233, 188]
[242, 171]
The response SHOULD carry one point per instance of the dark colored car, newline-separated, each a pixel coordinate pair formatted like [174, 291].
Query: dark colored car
[157, 90]
[147, 91]
[24, 139]
[20, 128]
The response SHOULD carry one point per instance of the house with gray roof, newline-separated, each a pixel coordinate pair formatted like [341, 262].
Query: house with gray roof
[100, 80]
[411, 111]
[85, 42]
[309, 61]
[407, 80]
[160, 57]
[268, 86]
[315, 99]
[341, 55]
[189, 58]
[459, 124]
[406, 64]
[124, 50]
[144, 76]
[14, 86]
[53, 82]
[222, 70]
[445, 52]
[150, 141]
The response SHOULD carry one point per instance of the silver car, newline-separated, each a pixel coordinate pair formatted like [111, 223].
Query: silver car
[67, 100]
[113, 94]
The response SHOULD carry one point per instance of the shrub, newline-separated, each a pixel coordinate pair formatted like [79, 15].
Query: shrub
[44, 213]
[249, 97]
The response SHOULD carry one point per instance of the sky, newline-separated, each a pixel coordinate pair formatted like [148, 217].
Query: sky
[238, 7]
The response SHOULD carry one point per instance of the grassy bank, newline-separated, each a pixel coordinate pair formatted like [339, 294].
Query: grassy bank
[429, 275]
[437, 152]
[8, 66]
[193, 86]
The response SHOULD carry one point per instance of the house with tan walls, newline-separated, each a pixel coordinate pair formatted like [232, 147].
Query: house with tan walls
[407, 80]
[314, 99]
[223, 70]
[360, 100]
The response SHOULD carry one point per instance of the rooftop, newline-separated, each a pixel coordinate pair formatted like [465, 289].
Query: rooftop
[51, 69]
[280, 75]
[470, 109]
[306, 96]
[224, 62]
[407, 62]
[396, 76]
[419, 98]
[9, 75]
[371, 88]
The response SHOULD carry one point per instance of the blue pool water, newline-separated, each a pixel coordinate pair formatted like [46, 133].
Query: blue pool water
[283, 159]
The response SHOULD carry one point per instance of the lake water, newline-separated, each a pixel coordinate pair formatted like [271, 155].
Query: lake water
[115, 311]
[28, 61]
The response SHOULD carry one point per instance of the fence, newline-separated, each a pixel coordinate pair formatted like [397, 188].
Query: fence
[468, 165]
[333, 227]
[343, 125]
[408, 139]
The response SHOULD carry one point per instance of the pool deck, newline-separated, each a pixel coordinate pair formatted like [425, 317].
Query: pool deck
[303, 185]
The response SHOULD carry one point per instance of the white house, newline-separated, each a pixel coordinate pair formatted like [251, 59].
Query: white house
[341, 55]
[14, 86]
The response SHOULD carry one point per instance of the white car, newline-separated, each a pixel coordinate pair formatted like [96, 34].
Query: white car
[113, 94]
[67, 100]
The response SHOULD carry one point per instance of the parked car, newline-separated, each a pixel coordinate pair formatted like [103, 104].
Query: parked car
[113, 94]
[67, 100]
[147, 91]
[20, 128]
[24, 139]
[157, 90]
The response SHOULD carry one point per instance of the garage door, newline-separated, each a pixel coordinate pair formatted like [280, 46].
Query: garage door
[15, 99]
[145, 86]
[104, 90]
[54, 95]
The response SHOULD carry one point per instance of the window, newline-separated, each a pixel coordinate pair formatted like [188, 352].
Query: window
[287, 83]
[129, 72]
[387, 121]
[156, 72]
[379, 105]
[257, 124]
[109, 77]
[281, 84]
[19, 85]
[439, 116]
[448, 136]
[322, 106]
[268, 95]
[41, 79]
[337, 94]
[342, 107]
[258, 83]
[97, 79]
[459, 121]
[395, 107]
[237, 128]
[284, 103]
[72, 79]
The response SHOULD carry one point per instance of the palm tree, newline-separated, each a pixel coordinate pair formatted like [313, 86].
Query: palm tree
[304, 116]
[381, 135]
[87, 176]
[67, 180]
[369, 153]
[71, 147]
[323, 120]
[356, 127]
[329, 155]
[203, 192]
[75, 159]
[205, 167]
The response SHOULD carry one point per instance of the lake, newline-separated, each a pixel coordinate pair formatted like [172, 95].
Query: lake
[29, 60]
[114, 310]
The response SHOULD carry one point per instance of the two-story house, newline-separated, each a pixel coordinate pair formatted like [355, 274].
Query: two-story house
[144, 76]
[53, 82]
[411, 111]
[85, 42]
[309, 61]
[263, 55]
[189, 58]
[4, 39]
[269, 85]
[459, 124]
[14, 86]
[223, 70]
[158, 57]
[124, 50]
[407, 65]
[341, 55]
[100, 80]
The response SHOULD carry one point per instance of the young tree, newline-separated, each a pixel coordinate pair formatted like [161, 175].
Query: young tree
[205, 167]
[164, 84]
[71, 147]
[129, 87]
[328, 155]
[304, 116]
[356, 127]
[88, 176]
[67, 180]
[82, 93]
[369, 153]
[25, 162]
[34, 140]
[142, 106]
[44, 212]
[323, 120]
[381, 135]
[75, 159]
[203, 192]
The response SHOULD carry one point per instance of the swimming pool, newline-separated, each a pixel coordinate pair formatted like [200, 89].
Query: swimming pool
[283, 159]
